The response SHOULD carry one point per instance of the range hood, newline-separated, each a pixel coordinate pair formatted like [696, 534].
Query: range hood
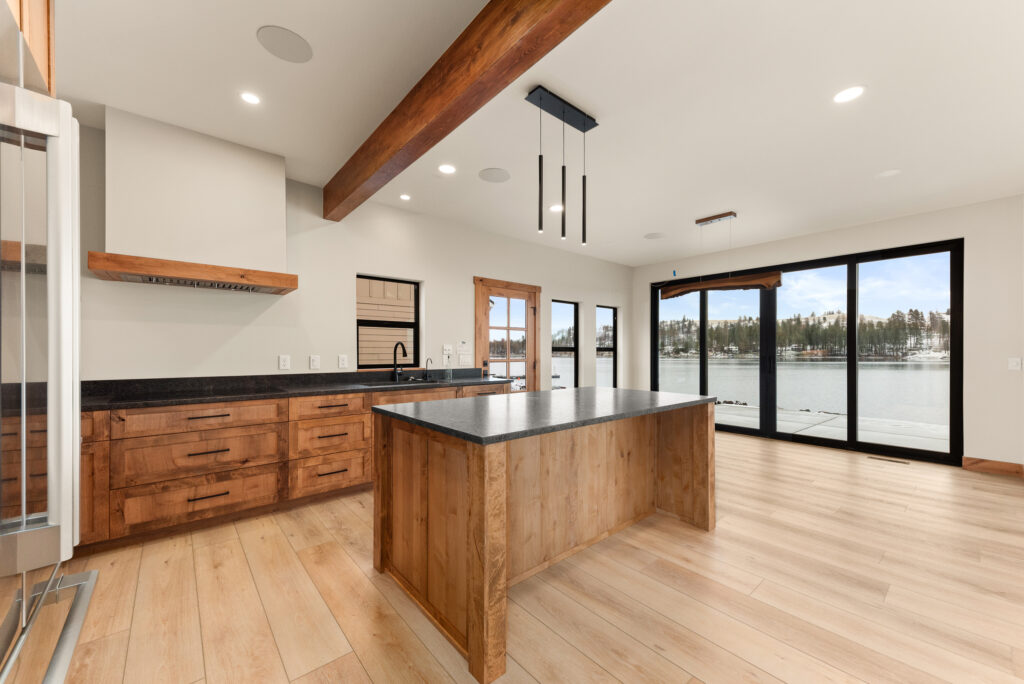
[137, 269]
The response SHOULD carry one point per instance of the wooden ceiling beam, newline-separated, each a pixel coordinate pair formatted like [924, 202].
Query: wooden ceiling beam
[505, 39]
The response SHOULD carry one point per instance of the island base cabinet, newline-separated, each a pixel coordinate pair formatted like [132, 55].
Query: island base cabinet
[152, 506]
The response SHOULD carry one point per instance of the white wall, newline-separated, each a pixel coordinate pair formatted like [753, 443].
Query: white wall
[172, 193]
[993, 235]
[144, 331]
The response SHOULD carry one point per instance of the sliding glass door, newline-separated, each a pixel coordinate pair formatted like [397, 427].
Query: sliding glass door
[787, 362]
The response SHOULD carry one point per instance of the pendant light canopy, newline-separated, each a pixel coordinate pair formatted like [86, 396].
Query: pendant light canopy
[567, 113]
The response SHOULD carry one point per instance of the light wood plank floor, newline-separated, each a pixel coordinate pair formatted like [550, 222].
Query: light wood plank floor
[826, 566]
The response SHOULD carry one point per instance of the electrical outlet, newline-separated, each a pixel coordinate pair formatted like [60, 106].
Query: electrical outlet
[342, 360]
[284, 362]
[314, 362]
[447, 349]
[1013, 363]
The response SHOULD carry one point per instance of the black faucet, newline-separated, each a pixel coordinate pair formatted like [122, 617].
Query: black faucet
[397, 374]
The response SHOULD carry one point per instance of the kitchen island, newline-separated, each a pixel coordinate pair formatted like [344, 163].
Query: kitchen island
[473, 495]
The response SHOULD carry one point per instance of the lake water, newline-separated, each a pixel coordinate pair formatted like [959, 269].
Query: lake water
[915, 391]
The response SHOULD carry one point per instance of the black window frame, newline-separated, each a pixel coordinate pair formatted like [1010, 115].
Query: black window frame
[614, 349]
[414, 325]
[575, 349]
[768, 384]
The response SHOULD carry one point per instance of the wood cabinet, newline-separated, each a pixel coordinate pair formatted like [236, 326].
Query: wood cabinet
[147, 469]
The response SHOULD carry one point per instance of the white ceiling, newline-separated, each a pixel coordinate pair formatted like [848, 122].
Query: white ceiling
[185, 62]
[703, 107]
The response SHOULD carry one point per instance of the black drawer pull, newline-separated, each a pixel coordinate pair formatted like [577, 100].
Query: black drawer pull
[333, 472]
[480, 394]
[217, 415]
[8, 434]
[209, 496]
[9, 479]
[332, 406]
[340, 434]
[38, 430]
[37, 474]
[211, 451]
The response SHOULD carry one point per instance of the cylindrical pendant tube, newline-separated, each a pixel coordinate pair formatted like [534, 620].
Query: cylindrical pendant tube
[584, 209]
[540, 193]
[563, 202]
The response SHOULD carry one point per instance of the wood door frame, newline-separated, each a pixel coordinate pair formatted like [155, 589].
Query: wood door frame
[484, 287]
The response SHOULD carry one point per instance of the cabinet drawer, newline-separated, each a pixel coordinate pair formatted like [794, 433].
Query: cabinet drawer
[383, 398]
[10, 477]
[166, 457]
[151, 506]
[483, 390]
[10, 432]
[95, 426]
[165, 420]
[329, 435]
[326, 406]
[326, 473]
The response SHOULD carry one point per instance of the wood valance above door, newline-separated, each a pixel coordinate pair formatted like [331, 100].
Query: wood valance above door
[752, 281]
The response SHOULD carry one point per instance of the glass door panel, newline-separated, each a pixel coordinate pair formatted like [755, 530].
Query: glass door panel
[679, 344]
[734, 347]
[903, 352]
[810, 353]
[507, 340]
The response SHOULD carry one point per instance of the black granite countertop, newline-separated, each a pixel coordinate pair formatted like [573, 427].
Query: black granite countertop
[504, 417]
[114, 394]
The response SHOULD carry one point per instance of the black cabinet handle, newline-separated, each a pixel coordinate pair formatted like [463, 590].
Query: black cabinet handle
[9, 479]
[480, 394]
[38, 430]
[218, 415]
[340, 434]
[209, 496]
[8, 434]
[332, 405]
[211, 451]
[37, 474]
[333, 472]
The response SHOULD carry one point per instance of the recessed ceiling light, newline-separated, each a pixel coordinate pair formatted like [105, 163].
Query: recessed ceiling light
[251, 98]
[284, 44]
[404, 198]
[494, 175]
[653, 236]
[557, 208]
[848, 95]
[889, 173]
[446, 169]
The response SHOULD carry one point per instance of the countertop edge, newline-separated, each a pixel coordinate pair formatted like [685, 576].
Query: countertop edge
[106, 404]
[533, 432]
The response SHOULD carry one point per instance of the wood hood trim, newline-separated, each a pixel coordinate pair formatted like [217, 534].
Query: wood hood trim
[137, 269]
[767, 281]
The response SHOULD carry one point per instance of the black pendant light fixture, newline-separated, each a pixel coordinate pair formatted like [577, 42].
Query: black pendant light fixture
[540, 169]
[567, 113]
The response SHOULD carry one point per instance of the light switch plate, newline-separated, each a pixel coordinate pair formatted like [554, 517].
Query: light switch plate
[342, 360]
[1013, 363]
[284, 362]
[314, 362]
[465, 359]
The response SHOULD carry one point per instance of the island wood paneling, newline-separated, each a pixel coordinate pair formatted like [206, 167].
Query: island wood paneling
[686, 465]
[458, 522]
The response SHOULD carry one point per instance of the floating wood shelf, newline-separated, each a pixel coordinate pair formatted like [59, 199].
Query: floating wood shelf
[10, 257]
[136, 269]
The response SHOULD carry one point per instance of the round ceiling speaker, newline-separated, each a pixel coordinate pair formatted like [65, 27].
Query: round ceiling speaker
[495, 175]
[284, 44]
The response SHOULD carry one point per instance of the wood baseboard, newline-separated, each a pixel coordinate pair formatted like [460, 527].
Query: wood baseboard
[984, 465]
